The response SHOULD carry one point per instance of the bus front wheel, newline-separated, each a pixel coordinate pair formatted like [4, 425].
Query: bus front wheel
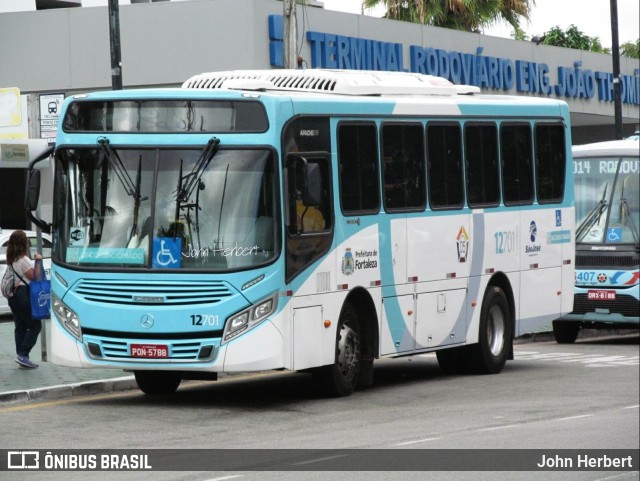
[565, 332]
[490, 354]
[341, 378]
[158, 382]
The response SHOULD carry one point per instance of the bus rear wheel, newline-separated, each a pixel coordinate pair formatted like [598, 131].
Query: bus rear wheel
[565, 332]
[490, 354]
[341, 377]
[158, 382]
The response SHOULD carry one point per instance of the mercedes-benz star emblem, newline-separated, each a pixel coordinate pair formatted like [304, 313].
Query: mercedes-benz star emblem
[146, 321]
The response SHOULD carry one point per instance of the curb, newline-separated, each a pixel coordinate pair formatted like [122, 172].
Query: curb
[64, 391]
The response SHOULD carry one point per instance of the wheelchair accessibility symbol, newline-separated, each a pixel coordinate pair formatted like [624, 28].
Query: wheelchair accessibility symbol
[166, 252]
[614, 234]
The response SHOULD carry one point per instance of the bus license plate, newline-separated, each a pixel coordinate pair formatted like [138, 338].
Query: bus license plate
[600, 295]
[154, 351]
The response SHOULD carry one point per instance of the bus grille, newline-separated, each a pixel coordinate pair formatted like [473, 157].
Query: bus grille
[606, 261]
[624, 304]
[153, 293]
[178, 351]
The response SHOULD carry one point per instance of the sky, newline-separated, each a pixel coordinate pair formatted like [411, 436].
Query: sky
[590, 16]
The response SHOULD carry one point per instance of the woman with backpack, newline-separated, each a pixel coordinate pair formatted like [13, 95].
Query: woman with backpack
[27, 329]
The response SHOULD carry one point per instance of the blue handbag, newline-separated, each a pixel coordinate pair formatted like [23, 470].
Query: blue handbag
[40, 293]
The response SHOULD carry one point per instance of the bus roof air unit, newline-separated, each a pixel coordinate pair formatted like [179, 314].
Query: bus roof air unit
[347, 82]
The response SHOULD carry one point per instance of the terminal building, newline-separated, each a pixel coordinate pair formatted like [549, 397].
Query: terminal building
[52, 49]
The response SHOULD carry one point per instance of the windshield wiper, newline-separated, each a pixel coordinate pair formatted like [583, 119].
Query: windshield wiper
[224, 191]
[594, 216]
[118, 167]
[189, 182]
[132, 189]
[626, 210]
[629, 219]
[137, 200]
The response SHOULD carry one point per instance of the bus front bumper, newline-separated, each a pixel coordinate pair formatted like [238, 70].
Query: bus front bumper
[613, 320]
[260, 349]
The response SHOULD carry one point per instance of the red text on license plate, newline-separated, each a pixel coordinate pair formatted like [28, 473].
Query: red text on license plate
[149, 350]
[600, 295]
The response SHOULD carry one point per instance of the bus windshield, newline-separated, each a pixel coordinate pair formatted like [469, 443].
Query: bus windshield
[607, 203]
[165, 207]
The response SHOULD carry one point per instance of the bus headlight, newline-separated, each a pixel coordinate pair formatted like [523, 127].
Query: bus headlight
[66, 317]
[249, 318]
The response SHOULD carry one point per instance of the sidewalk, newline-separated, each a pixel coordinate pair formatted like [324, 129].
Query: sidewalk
[49, 381]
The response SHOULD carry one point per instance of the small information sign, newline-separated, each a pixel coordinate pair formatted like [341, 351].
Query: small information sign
[50, 114]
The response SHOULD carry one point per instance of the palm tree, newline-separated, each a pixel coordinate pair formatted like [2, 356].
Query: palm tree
[467, 15]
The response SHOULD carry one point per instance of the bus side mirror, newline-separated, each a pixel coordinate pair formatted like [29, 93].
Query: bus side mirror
[305, 180]
[313, 189]
[33, 190]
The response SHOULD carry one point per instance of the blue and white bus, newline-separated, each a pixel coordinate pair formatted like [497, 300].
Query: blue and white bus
[307, 220]
[607, 191]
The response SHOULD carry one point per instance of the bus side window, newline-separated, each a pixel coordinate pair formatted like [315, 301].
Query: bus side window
[444, 154]
[403, 166]
[358, 164]
[481, 162]
[550, 162]
[309, 201]
[517, 166]
[309, 210]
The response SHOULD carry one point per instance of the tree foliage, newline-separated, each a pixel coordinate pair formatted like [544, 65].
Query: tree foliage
[630, 49]
[474, 15]
[466, 15]
[573, 38]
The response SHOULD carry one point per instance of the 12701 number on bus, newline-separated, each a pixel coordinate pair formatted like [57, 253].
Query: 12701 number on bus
[204, 320]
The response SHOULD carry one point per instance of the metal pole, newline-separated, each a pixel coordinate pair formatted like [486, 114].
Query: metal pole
[114, 37]
[290, 34]
[615, 54]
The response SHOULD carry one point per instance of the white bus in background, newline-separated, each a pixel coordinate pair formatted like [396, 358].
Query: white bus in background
[607, 192]
[18, 154]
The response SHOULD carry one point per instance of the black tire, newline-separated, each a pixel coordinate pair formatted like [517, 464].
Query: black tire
[341, 378]
[565, 332]
[158, 382]
[494, 342]
[454, 360]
